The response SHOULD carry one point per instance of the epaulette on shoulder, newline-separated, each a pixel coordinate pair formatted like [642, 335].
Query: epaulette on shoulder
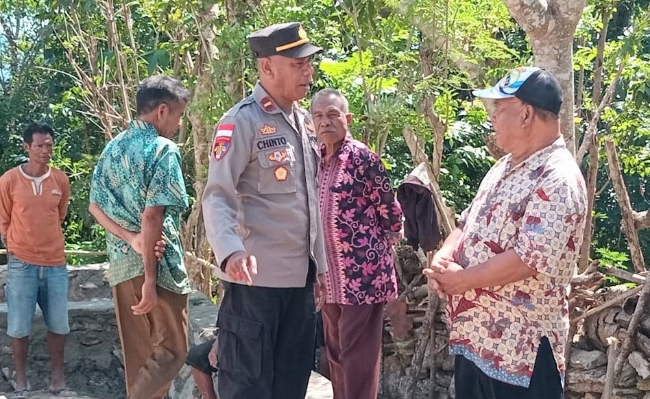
[243, 103]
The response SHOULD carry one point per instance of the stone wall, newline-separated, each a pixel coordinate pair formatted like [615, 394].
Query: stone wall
[86, 283]
[93, 359]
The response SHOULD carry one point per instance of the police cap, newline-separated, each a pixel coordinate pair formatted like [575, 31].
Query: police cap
[288, 40]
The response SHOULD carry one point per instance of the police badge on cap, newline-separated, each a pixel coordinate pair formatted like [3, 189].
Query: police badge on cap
[288, 40]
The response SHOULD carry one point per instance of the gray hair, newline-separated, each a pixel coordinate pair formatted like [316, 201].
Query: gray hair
[331, 93]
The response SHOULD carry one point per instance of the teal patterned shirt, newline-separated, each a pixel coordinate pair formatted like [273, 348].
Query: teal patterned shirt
[139, 169]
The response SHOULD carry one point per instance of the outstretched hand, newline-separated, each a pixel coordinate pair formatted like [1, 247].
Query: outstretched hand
[241, 267]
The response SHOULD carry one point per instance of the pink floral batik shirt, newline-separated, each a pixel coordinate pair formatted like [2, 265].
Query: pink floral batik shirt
[536, 208]
[358, 209]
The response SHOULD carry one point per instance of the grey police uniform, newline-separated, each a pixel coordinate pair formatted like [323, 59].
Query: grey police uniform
[261, 198]
[261, 195]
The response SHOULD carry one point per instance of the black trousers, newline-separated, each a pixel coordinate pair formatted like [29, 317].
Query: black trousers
[472, 383]
[266, 342]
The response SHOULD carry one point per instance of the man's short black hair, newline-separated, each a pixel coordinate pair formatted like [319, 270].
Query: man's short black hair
[159, 89]
[36, 128]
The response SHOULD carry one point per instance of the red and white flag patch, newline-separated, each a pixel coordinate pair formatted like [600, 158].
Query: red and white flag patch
[222, 140]
[224, 130]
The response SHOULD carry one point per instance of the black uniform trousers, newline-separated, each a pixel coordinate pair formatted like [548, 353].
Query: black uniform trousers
[545, 383]
[266, 341]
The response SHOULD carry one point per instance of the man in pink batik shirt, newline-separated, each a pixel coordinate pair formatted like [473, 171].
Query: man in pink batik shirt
[361, 220]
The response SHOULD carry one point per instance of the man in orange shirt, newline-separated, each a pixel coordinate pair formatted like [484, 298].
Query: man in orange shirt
[33, 204]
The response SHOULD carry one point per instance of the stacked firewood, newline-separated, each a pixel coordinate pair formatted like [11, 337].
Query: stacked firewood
[416, 362]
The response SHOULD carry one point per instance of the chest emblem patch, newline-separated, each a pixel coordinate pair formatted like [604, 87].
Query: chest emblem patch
[268, 129]
[281, 173]
[278, 156]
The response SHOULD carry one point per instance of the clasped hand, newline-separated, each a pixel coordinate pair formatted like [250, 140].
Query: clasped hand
[445, 276]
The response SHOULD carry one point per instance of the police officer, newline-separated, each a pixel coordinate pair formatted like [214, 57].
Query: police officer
[260, 207]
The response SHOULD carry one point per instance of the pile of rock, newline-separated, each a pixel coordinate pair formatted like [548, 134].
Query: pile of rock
[588, 367]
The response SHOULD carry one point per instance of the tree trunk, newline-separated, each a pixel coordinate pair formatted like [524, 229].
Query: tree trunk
[592, 177]
[550, 26]
[438, 127]
[236, 14]
[194, 240]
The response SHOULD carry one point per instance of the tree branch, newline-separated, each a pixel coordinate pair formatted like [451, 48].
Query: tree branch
[626, 208]
[612, 350]
[128, 18]
[628, 343]
[600, 52]
[122, 75]
[612, 302]
[600, 191]
[625, 275]
[567, 12]
[593, 124]
[11, 40]
[592, 177]
[437, 126]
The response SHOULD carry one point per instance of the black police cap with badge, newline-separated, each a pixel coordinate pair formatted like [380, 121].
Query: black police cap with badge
[288, 40]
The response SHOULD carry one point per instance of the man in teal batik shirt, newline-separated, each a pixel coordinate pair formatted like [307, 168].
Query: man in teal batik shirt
[138, 194]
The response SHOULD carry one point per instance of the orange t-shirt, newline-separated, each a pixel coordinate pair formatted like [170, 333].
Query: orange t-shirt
[31, 213]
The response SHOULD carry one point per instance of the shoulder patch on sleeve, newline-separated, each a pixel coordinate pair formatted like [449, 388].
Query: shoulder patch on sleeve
[222, 140]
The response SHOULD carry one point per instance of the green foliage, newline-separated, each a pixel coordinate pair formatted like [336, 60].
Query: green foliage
[627, 121]
[615, 259]
[386, 56]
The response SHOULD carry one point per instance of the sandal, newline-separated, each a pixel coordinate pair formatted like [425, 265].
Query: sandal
[20, 394]
[62, 392]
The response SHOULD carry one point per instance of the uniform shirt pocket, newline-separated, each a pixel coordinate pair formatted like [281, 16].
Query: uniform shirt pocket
[277, 171]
